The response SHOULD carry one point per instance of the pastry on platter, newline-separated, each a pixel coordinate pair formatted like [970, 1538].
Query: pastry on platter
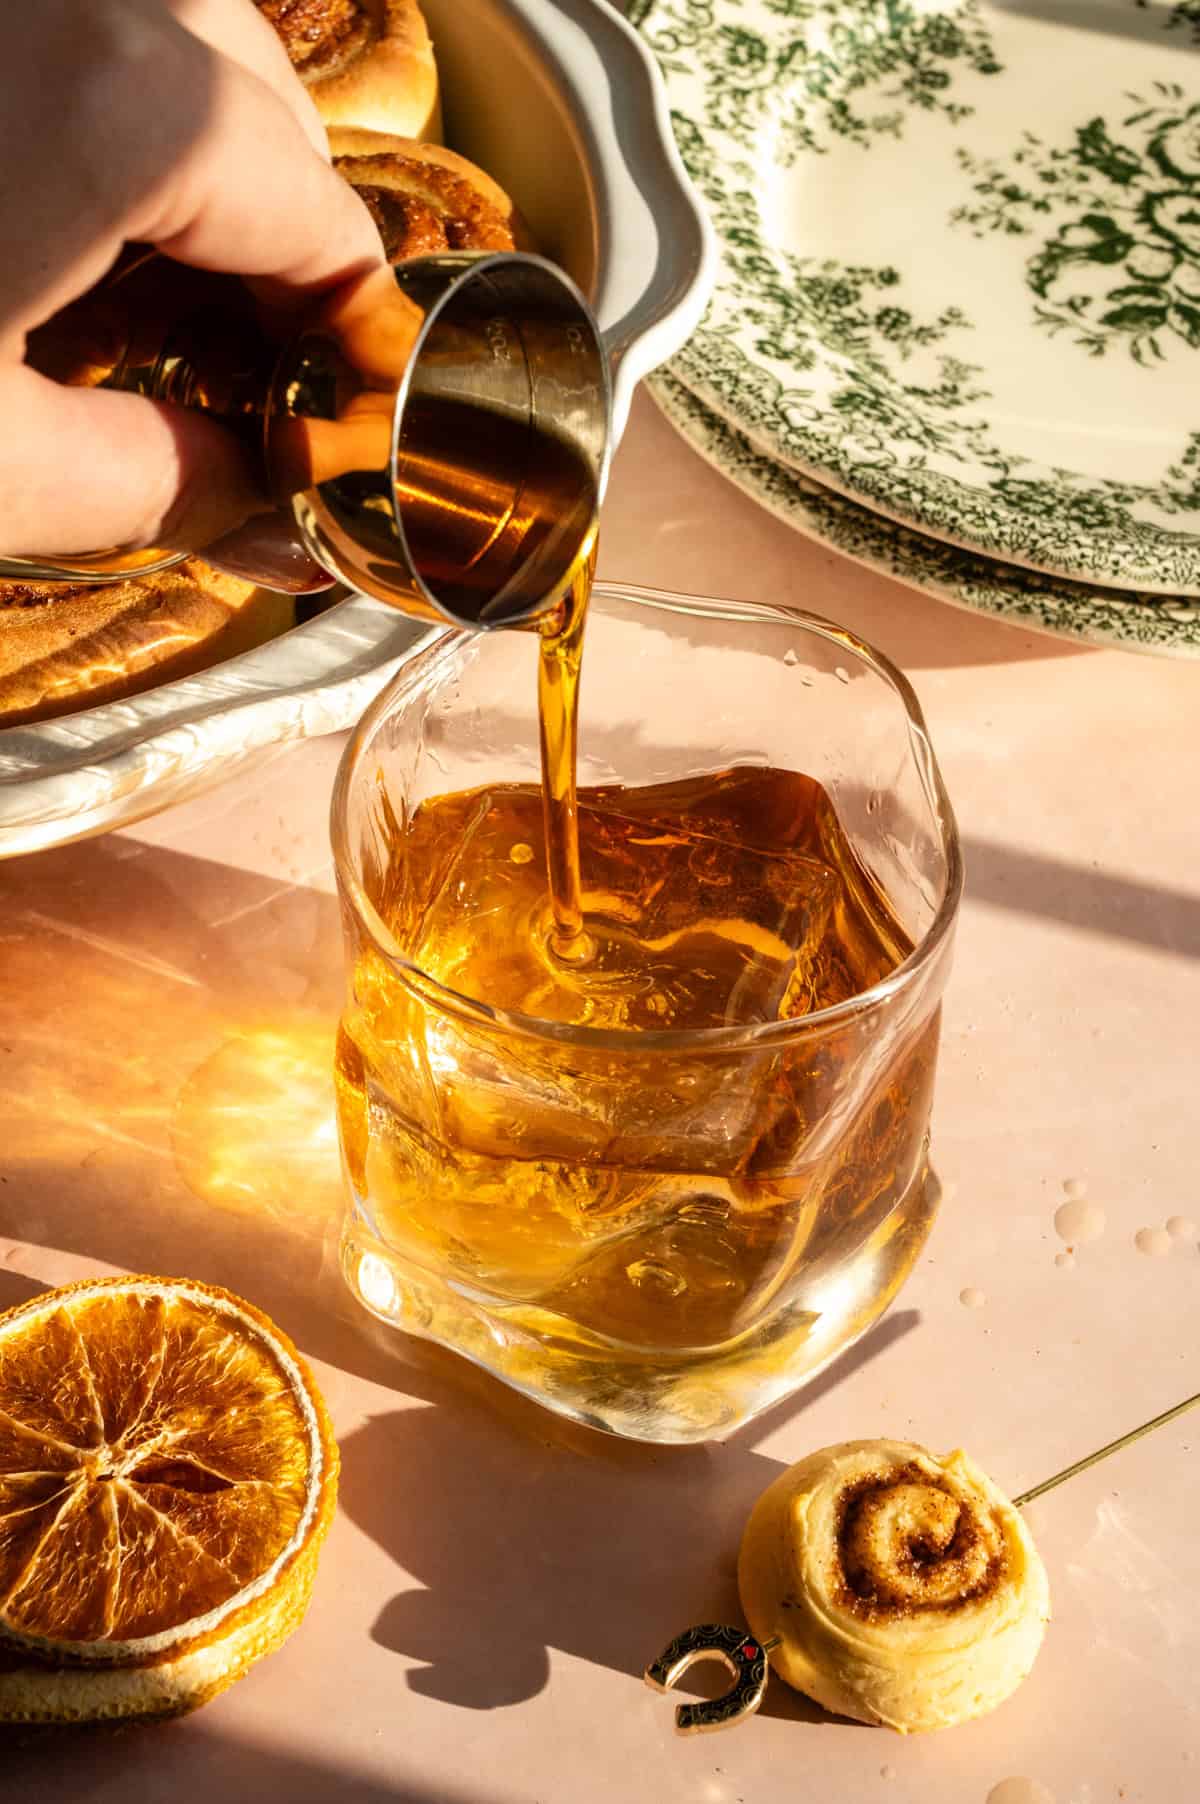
[425, 199]
[365, 62]
[904, 1588]
[66, 646]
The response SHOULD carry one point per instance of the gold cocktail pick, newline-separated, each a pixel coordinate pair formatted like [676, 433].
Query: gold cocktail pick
[746, 1656]
[1093, 1459]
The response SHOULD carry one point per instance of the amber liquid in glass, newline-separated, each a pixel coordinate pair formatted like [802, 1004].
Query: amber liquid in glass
[633, 1203]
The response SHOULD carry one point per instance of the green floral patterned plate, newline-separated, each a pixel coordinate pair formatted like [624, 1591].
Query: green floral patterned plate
[960, 262]
[1050, 604]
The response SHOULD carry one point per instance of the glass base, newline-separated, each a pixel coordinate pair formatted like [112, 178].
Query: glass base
[671, 1398]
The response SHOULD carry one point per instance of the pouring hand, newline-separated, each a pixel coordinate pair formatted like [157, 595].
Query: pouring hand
[176, 123]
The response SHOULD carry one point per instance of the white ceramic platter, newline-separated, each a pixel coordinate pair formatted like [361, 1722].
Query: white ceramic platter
[960, 262]
[562, 103]
[1050, 604]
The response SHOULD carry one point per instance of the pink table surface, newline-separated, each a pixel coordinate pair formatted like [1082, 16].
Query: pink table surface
[495, 1579]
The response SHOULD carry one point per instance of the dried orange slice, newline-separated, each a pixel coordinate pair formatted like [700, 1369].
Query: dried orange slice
[167, 1475]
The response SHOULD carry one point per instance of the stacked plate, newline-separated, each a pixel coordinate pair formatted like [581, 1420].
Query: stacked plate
[956, 330]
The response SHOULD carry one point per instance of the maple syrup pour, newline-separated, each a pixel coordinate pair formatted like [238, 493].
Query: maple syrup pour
[561, 655]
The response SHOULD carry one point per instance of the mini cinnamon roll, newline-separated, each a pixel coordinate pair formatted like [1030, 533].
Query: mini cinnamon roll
[905, 1589]
[365, 62]
[425, 199]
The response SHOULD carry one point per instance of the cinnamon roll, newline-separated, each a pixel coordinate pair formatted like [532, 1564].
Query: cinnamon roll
[905, 1589]
[66, 646]
[365, 62]
[426, 199]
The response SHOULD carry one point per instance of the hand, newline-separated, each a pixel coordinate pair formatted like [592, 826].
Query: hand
[177, 123]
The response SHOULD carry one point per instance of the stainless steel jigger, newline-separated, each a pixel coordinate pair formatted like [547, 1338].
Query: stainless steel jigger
[438, 432]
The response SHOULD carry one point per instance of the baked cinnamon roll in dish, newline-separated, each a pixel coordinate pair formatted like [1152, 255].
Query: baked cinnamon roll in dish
[365, 62]
[426, 199]
[905, 1589]
[66, 646]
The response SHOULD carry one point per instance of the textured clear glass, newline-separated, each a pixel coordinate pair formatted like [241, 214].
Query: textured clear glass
[657, 1233]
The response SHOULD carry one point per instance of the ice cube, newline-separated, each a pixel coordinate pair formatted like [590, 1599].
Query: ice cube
[692, 923]
[691, 929]
[686, 927]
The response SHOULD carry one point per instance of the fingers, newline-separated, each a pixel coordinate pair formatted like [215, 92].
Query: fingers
[237, 29]
[250, 194]
[90, 470]
[156, 136]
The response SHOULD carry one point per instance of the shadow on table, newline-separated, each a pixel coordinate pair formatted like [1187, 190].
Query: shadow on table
[1096, 901]
[152, 1763]
[16, 1288]
[525, 1533]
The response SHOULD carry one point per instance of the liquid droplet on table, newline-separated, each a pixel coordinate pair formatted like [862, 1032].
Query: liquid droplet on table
[1182, 1227]
[887, 1772]
[1074, 1187]
[1064, 1260]
[972, 1297]
[1154, 1242]
[1079, 1221]
[791, 656]
[1020, 1791]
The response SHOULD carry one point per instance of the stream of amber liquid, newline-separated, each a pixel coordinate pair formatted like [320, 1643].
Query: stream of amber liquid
[561, 656]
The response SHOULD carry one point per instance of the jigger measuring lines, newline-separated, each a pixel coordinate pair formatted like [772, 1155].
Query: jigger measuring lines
[746, 1656]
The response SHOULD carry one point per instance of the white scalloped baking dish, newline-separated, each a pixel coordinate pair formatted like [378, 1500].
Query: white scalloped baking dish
[560, 101]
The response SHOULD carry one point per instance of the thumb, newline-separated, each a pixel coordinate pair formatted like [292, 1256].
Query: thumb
[93, 469]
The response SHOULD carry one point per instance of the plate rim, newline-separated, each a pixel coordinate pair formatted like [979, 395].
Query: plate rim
[807, 506]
